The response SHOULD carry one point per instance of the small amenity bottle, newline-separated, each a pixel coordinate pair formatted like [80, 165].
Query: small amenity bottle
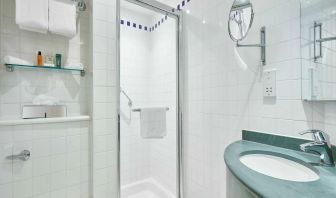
[58, 60]
[39, 59]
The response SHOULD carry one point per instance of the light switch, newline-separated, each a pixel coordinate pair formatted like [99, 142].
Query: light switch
[269, 81]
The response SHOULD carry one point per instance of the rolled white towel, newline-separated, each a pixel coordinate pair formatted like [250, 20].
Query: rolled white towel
[62, 18]
[32, 15]
[78, 66]
[16, 61]
[45, 100]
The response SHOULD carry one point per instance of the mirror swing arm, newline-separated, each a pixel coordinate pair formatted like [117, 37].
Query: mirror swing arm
[262, 45]
[319, 40]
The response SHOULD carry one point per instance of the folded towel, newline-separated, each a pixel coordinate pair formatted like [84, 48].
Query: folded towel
[153, 122]
[16, 61]
[78, 66]
[45, 100]
[32, 15]
[62, 17]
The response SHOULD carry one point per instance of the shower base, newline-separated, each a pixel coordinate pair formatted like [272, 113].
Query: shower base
[148, 188]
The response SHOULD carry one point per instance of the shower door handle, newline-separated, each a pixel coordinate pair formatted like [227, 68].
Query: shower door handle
[24, 156]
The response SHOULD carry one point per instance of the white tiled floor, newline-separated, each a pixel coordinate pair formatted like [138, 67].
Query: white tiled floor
[144, 194]
[148, 188]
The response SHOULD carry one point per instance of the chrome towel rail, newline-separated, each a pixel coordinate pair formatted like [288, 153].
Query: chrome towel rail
[139, 109]
[318, 40]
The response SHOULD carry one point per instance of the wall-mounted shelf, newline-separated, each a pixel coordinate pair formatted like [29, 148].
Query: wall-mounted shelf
[11, 67]
[45, 120]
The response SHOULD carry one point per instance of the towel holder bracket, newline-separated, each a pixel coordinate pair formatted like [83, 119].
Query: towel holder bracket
[81, 5]
[10, 68]
[139, 109]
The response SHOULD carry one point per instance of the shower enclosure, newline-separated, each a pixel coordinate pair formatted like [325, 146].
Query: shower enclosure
[149, 68]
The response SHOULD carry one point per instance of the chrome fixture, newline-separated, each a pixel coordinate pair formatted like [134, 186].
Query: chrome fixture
[240, 22]
[262, 45]
[321, 146]
[81, 5]
[318, 40]
[24, 156]
[130, 102]
[139, 110]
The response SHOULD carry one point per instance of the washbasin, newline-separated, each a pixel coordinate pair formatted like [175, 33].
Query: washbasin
[279, 167]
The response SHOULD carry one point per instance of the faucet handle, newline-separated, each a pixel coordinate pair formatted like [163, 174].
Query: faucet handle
[318, 135]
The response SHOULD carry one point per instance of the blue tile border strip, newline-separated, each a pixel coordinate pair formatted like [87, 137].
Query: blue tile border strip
[152, 28]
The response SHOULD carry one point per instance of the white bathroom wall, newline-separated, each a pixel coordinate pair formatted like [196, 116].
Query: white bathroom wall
[59, 165]
[104, 104]
[223, 93]
[21, 86]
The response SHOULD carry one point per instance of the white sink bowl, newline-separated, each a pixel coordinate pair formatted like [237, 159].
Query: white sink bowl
[278, 167]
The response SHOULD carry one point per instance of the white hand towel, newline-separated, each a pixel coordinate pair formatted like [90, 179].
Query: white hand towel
[16, 61]
[32, 15]
[78, 66]
[62, 18]
[153, 122]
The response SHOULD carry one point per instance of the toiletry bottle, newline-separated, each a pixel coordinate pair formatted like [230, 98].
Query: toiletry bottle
[39, 59]
[58, 60]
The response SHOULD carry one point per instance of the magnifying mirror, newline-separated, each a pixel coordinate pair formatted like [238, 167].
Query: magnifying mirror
[240, 20]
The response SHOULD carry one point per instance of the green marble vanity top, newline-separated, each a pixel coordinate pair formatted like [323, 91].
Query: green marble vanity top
[269, 187]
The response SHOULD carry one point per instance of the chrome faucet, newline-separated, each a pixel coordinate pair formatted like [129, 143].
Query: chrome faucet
[321, 146]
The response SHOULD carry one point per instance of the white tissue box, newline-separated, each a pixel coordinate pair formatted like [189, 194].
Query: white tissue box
[40, 111]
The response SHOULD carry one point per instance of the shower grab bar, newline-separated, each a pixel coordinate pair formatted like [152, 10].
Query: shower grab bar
[139, 109]
[130, 102]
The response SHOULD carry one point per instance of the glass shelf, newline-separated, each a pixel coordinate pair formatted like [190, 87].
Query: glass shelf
[11, 67]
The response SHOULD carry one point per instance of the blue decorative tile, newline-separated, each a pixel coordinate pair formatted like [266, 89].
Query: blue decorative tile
[159, 23]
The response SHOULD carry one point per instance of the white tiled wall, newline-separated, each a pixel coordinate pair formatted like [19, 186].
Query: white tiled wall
[104, 109]
[223, 92]
[21, 86]
[59, 165]
[148, 76]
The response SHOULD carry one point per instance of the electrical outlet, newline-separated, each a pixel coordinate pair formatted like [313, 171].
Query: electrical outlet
[269, 82]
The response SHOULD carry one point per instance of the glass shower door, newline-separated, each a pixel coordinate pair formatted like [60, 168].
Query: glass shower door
[148, 102]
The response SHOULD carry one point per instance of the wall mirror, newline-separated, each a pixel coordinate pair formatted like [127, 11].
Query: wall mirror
[318, 50]
[240, 20]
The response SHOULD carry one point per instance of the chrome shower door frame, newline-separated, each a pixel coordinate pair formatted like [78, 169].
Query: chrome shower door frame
[178, 15]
